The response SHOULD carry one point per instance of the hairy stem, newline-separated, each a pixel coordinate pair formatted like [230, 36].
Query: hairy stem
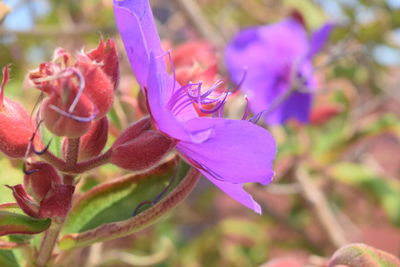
[51, 236]
[79, 167]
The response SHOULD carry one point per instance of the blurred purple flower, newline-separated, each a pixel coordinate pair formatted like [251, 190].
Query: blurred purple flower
[277, 57]
[228, 152]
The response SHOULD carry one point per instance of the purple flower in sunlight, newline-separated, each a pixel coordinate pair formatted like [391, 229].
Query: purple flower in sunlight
[228, 152]
[278, 62]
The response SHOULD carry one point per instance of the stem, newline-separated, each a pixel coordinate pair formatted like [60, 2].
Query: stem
[79, 167]
[49, 241]
[192, 11]
[51, 236]
[321, 209]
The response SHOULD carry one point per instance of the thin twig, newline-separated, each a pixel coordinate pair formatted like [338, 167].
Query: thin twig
[321, 208]
[192, 10]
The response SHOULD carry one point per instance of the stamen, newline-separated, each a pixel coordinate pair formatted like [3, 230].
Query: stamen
[221, 111]
[239, 85]
[256, 117]
[178, 95]
[74, 117]
[247, 109]
[216, 108]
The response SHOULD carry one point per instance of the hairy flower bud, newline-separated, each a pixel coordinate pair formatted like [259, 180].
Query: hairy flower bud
[47, 197]
[98, 86]
[139, 148]
[63, 119]
[57, 202]
[16, 128]
[106, 55]
[92, 142]
[25, 201]
[39, 178]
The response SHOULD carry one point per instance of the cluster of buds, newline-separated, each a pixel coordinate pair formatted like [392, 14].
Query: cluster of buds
[79, 92]
[43, 194]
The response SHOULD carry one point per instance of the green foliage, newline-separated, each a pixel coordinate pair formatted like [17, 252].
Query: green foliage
[357, 255]
[116, 200]
[8, 259]
[12, 223]
[386, 190]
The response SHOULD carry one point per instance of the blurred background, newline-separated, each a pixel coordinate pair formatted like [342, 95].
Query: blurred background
[345, 161]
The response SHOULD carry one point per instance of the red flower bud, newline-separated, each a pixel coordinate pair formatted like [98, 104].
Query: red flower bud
[24, 201]
[57, 202]
[39, 178]
[47, 197]
[16, 128]
[139, 148]
[92, 142]
[323, 114]
[106, 54]
[189, 53]
[98, 86]
[64, 119]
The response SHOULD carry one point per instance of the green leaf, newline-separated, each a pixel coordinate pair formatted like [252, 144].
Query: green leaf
[116, 200]
[386, 190]
[355, 255]
[13, 223]
[143, 219]
[8, 259]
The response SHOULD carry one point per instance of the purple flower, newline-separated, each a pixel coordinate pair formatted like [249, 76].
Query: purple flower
[278, 57]
[228, 152]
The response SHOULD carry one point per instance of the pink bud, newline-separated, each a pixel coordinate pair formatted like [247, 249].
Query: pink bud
[322, 114]
[39, 178]
[63, 120]
[92, 142]
[25, 202]
[106, 55]
[57, 202]
[98, 86]
[16, 128]
[139, 148]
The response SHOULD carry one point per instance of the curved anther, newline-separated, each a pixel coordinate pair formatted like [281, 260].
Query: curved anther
[43, 151]
[28, 172]
[241, 80]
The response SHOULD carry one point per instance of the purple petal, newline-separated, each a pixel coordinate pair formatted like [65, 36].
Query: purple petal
[319, 38]
[236, 192]
[297, 106]
[270, 52]
[266, 49]
[236, 152]
[135, 23]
